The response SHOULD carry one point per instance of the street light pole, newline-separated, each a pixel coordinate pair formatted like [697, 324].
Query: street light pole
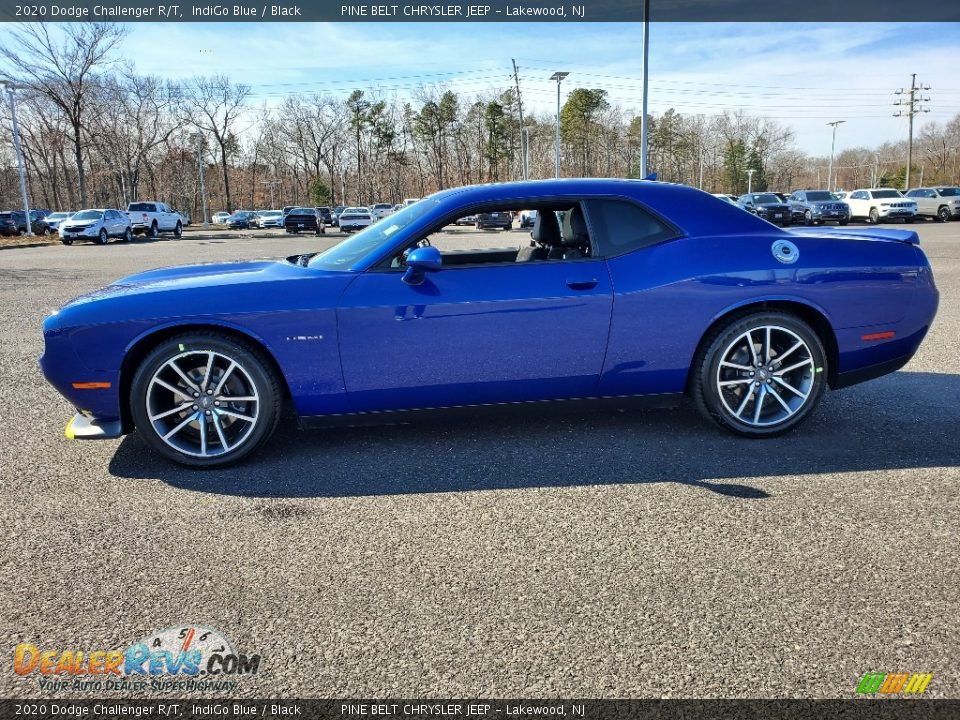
[203, 186]
[558, 76]
[646, 75]
[750, 173]
[10, 87]
[833, 143]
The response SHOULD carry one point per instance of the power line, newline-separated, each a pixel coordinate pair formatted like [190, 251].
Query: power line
[914, 106]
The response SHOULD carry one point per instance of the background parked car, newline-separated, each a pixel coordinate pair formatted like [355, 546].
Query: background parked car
[220, 218]
[767, 206]
[8, 226]
[355, 218]
[337, 212]
[527, 218]
[942, 203]
[879, 204]
[241, 220]
[303, 219]
[20, 221]
[380, 210]
[466, 220]
[325, 214]
[496, 219]
[96, 225]
[819, 206]
[53, 220]
[726, 198]
[271, 219]
[152, 218]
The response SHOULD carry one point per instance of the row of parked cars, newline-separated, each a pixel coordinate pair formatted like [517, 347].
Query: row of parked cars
[98, 225]
[295, 218]
[874, 205]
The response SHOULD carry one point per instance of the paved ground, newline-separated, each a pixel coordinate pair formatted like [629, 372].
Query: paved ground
[633, 555]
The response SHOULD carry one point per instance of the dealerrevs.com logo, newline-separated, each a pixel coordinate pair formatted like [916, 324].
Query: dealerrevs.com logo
[178, 658]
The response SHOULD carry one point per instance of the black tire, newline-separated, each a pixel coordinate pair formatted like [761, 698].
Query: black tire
[808, 218]
[844, 222]
[705, 375]
[908, 221]
[943, 214]
[154, 230]
[66, 241]
[874, 216]
[251, 363]
[127, 235]
[103, 238]
[178, 231]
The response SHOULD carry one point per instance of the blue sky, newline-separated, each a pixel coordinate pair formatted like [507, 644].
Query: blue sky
[803, 78]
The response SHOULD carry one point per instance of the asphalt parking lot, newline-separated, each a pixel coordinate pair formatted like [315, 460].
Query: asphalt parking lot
[626, 555]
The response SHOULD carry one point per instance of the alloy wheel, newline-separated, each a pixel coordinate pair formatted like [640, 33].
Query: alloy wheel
[765, 376]
[202, 403]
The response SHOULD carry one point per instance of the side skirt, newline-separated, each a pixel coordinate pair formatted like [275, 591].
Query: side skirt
[515, 409]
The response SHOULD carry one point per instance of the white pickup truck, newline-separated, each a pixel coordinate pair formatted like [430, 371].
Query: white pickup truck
[153, 218]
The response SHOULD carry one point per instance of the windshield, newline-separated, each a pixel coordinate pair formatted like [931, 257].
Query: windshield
[819, 195]
[950, 192]
[88, 215]
[345, 254]
[886, 194]
[766, 199]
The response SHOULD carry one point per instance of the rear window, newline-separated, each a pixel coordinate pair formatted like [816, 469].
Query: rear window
[142, 207]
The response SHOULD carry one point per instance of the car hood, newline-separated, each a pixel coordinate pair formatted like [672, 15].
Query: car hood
[187, 277]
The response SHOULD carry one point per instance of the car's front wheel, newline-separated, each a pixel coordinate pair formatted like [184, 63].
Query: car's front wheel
[102, 237]
[178, 231]
[943, 214]
[761, 375]
[205, 399]
[128, 235]
[874, 216]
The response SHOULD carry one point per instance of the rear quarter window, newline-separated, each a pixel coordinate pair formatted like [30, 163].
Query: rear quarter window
[620, 226]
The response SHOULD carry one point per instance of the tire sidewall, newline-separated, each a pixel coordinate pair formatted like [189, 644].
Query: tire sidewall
[250, 360]
[709, 396]
[102, 237]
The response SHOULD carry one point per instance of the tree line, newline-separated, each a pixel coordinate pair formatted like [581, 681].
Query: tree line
[97, 133]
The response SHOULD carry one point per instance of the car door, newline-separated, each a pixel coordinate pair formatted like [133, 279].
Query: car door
[859, 203]
[469, 335]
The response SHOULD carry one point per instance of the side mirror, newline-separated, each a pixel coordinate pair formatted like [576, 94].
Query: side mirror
[421, 261]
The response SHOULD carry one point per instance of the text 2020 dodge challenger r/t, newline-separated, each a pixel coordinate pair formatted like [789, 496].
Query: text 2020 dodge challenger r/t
[627, 289]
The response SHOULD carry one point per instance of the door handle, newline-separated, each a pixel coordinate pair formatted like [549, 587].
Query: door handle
[574, 284]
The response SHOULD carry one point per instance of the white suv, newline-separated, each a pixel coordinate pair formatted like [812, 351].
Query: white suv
[879, 204]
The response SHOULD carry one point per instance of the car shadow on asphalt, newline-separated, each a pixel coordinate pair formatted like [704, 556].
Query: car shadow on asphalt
[905, 420]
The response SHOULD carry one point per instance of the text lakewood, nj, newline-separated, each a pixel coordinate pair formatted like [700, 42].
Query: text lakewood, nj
[464, 11]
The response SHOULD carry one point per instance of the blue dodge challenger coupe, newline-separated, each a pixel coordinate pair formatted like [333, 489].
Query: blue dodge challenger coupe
[624, 290]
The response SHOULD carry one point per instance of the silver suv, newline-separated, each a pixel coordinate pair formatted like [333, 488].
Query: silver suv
[942, 203]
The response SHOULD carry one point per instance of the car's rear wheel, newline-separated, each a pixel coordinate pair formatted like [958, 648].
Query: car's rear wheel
[178, 231]
[205, 400]
[761, 375]
[102, 237]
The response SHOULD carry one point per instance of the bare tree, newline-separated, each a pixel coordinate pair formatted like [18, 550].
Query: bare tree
[64, 69]
[213, 104]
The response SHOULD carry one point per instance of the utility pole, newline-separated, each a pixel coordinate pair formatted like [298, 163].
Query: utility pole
[833, 144]
[914, 106]
[526, 153]
[271, 184]
[700, 184]
[523, 130]
[10, 87]
[198, 141]
[750, 173]
[558, 76]
[644, 130]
